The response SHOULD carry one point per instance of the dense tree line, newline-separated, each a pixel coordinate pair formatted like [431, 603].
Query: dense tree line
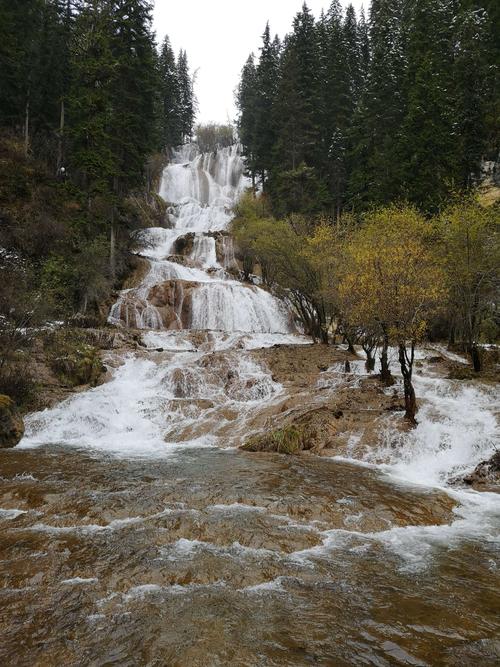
[88, 107]
[83, 84]
[346, 113]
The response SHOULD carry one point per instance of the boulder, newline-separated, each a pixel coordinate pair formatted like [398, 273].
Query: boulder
[172, 299]
[11, 423]
[184, 245]
[487, 473]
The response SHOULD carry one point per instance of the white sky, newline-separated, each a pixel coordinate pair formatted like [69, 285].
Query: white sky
[218, 36]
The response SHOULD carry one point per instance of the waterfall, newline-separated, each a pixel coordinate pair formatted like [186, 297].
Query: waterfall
[204, 251]
[201, 190]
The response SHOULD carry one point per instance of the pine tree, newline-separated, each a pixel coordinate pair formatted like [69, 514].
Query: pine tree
[428, 133]
[133, 90]
[266, 88]
[170, 121]
[353, 58]
[337, 105]
[298, 99]
[471, 92]
[52, 72]
[19, 50]
[187, 102]
[246, 101]
[363, 45]
[92, 162]
[375, 137]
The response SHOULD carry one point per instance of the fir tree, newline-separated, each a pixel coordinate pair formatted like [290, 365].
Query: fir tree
[266, 88]
[19, 51]
[170, 120]
[428, 132]
[375, 137]
[471, 92]
[298, 99]
[187, 102]
[363, 45]
[246, 101]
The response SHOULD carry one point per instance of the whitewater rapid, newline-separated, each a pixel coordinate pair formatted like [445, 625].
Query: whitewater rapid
[201, 191]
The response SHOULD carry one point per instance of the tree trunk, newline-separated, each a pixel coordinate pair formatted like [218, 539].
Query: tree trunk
[406, 363]
[27, 128]
[476, 358]
[324, 336]
[112, 246]
[410, 401]
[60, 139]
[370, 361]
[350, 345]
[451, 337]
[385, 371]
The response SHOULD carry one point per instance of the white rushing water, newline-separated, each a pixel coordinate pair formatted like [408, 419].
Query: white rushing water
[152, 406]
[185, 396]
[201, 190]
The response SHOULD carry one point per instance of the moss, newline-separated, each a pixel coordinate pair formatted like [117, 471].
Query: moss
[73, 359]
[6, 402]
[286, 440]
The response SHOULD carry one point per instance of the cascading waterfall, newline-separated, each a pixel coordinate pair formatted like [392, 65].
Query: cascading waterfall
[160, 529]
[201, 190]
[204, 251]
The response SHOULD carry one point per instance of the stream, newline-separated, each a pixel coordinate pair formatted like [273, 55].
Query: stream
[135, 532]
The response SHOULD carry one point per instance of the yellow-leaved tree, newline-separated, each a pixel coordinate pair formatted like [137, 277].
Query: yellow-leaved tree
[391, 281]
[470, 247]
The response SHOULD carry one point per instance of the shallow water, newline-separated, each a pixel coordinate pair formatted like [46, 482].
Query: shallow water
[217, 557]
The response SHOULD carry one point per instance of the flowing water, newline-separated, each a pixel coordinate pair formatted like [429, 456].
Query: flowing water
[134, 532]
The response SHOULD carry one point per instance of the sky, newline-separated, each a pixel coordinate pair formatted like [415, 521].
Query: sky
[218, 36]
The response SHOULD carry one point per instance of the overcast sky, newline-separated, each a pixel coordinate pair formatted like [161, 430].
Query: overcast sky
[218, 36]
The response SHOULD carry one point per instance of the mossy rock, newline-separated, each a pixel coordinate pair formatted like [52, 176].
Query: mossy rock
[73, 360]
[310, 431]
[286, 440]
[11, 423]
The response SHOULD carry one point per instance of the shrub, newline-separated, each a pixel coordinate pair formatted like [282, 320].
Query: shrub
[73, 359]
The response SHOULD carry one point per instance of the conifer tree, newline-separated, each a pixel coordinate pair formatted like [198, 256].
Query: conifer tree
[266, 88]
[471, 92]
[187, 102]
[298, 98]
[363, 45]
[19, 50]
[170, 121]
[428, 132]
[376, 176]
[133, 90]
[246, 101]
[353, 58]
[92, 161]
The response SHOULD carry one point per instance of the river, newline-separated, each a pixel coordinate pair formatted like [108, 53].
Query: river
[135, 532]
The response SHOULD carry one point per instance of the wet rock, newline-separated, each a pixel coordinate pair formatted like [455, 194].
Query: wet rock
[486, 474]
[438, 359]
[184, 383]
[173, 300]
[11, 423]
[184, 244]
[181, 259]
[485, 652]
[313, 430]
